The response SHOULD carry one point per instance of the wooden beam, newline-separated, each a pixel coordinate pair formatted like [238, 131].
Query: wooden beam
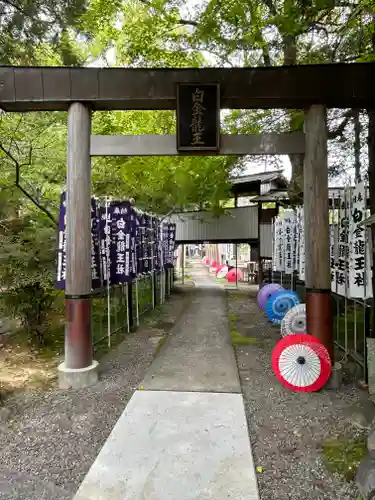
[316, 215]
[293, 87]
[165, 145]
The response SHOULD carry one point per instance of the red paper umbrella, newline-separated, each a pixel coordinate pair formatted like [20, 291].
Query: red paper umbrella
[207, 261]
[301, 363]
[214, 263]
[231, 275]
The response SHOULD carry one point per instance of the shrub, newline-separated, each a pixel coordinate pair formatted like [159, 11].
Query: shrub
[27, 272]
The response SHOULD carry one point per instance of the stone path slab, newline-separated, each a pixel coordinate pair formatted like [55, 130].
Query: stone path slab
[175, 446]
[198, 354]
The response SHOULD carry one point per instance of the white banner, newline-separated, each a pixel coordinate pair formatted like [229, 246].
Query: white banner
[358, 279]
[369, 263]
[279, 244]
[296, 241]
[274, 245]
[288, 232]
[342, 256]
[333, 249]
[301, 246]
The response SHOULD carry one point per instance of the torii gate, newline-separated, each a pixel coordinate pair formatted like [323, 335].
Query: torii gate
[83, 90]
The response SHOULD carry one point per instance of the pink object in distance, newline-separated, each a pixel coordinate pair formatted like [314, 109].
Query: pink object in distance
[207, 261]
[218, 269]
[231, 276]
[214, 264]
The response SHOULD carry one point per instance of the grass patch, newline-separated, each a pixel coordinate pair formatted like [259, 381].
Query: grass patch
[153, 316]
[23, 369]
[237, 296]
[161, 342]
[26, 366]
[232, 318]
[238, 339]
[343, 456]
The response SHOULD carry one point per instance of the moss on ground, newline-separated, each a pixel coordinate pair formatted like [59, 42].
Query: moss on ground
[161, 342]
[238, 339]
[344, 455]
[232, 318]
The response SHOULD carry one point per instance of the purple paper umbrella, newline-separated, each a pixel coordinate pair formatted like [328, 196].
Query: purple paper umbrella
[265, 292]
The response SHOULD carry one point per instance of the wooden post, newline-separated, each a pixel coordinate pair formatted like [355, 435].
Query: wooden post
[259, 257]
[183, 264]
[78, 369]
[316, 221]
[130, 307]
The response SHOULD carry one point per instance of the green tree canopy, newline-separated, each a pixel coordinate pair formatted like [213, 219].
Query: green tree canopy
[27, 25]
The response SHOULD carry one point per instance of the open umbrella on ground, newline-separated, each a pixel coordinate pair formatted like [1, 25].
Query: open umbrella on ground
[294, 321]
[301, 363]
[279, 304]
[265, 293]
[220, 267]
[222, 271]
[207, 261]
[231, 275]
[214, 264]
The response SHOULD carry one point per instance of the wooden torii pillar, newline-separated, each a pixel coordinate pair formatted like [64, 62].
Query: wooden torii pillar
[316, 221]
[78, 369]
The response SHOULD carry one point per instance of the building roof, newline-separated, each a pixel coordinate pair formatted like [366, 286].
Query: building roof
[273, 196]
[258, 177]
[250, 184]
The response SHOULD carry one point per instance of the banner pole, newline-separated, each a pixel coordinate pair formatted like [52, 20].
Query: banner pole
[136, 300]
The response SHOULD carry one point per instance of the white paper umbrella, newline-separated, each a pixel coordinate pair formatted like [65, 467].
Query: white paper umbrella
[294, 321]
[223, 272]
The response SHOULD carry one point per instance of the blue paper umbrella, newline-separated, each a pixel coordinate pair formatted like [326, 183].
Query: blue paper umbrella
[279, 304]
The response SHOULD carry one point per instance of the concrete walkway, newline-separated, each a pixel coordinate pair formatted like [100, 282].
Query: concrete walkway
[184, 436]
[198, 355]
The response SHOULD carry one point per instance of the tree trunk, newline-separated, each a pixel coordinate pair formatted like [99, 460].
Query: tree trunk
[371, 178]
[295, 125]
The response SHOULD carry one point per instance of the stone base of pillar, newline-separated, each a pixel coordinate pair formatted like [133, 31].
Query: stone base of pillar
[78, 378]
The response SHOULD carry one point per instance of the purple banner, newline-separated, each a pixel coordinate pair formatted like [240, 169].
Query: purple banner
[139, 242]
[61, 249]
[149, 242]
[157, 244]
[96, 270]
[123, 233]
[61, 252]
[171, 244]
[124, 244]
[105, 216]
[144, 243]
[133, 246]
[164, 244]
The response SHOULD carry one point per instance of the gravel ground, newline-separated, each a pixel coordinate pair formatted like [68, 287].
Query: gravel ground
[287, 428]
[51, 438]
